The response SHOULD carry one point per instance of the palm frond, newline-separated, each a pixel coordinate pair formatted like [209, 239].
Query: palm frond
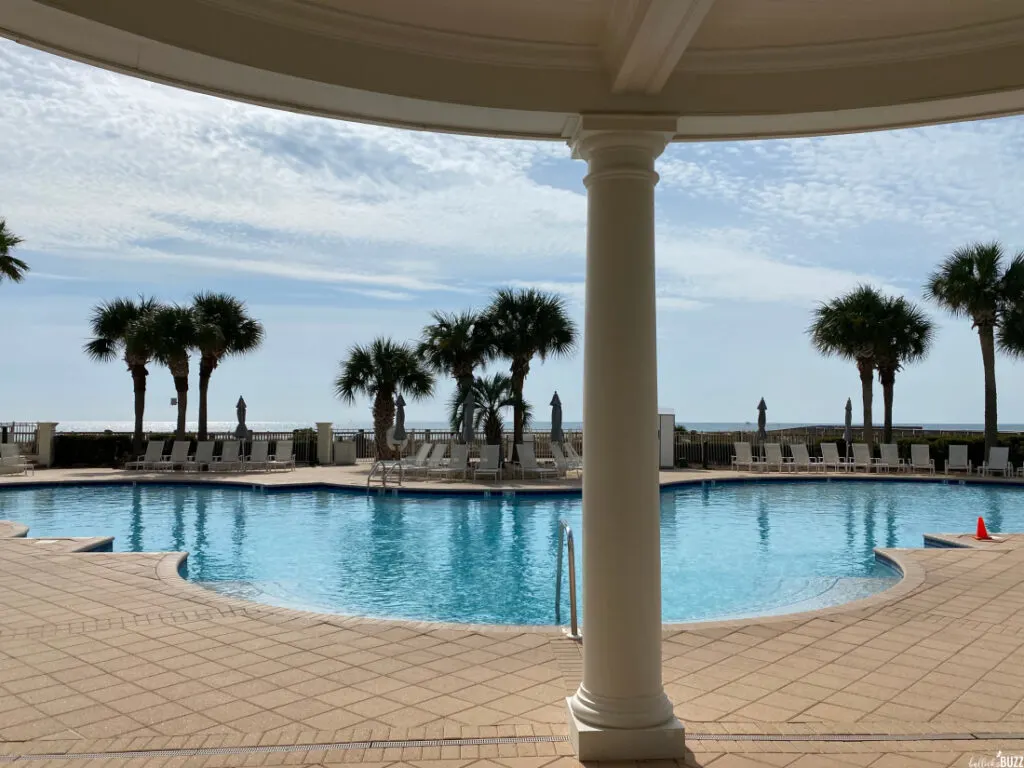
[383, 366]
[224, 326]
[455, 343]
[113, 327]
[11, 267]
[846, 327]
[969, 282]
[170, 331]
[526, 322]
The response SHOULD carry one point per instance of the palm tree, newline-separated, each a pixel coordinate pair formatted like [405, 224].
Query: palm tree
[493, 394]
[456, 344]
[379, 371]
[906, 334]
[118, 333]
[524, 323]
[848, 327]
[974, 283]
[175, 334]
[224, 329]
[11, 267]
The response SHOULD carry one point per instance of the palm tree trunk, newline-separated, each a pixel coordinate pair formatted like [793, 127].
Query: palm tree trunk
[383, 420]
[464, 382]
[986, 334]
[518, 379]
[205, 371]
[888, 379]
[181, 388]
[139, 374]
[867, 381]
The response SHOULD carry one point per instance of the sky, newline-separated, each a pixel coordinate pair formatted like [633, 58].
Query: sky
[335, 233]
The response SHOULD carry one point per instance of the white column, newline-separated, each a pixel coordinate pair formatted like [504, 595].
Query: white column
[620, 710]
[324, 443]
[46, 435]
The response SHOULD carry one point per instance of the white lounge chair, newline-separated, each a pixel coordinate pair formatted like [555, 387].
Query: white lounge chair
[890, 458]
[921, 458]
[744, 457]
[490, 462]
[12, 462]
[830, 458]
[412, 463]
[773, 457]
[562, 462]
[458, 463]
[803, 460]
[433, 460]
[574, 459]
[998, 461]
[862, 457]
[229, 458]
[258, 456]
[958, 461]
[528, 463]
[178, 456]
[203, 456]
[283, 456]
[154, 453]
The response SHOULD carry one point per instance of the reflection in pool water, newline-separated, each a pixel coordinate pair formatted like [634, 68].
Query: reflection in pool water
[728, 550]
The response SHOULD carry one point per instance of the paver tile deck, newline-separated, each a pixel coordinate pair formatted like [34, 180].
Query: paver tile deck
[103, 652]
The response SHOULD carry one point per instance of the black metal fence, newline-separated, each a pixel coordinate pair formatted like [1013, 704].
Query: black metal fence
[103, 449]
[24, 433]
[716, 449]
[304, 442]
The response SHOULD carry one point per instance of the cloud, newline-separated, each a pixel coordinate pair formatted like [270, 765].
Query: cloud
[380, 294]
[952, 182]
[291, 271]
[122, 169]
[728, 266]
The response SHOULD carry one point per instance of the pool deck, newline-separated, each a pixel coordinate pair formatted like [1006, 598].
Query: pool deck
[111, 659]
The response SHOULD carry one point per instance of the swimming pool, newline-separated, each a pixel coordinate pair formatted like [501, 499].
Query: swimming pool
[734, 549]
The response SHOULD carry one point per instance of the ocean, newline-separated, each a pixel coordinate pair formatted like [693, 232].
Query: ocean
[540, 426]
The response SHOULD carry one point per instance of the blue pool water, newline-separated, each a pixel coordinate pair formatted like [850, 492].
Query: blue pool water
[730, 550]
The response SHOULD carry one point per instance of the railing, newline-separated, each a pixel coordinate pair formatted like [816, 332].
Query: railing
[102, 449]
[385, 468]
[366, 447]
[565, 537]
[24, 433]
[304, 442]
[715, 449]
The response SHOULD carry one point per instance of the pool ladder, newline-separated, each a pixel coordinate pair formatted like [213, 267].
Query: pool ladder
[385, 469]
[565, 537]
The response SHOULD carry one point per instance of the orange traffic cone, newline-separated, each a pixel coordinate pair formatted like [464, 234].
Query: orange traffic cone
[982, 534]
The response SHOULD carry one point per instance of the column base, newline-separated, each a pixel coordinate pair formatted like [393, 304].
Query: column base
[665, 741]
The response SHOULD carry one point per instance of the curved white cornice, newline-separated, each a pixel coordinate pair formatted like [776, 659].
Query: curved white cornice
[536, 102]
[330, 21]
[857, 53]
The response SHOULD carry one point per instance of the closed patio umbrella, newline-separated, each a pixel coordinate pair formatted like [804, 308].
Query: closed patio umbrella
[468, 406]
[399, 433]
[848, 428]
[556, 420]
[762, 421]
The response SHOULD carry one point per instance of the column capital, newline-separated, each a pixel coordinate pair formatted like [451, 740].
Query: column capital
[646, 132]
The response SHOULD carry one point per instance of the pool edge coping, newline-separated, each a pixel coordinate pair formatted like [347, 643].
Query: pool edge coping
[258, 482]
[168, 569]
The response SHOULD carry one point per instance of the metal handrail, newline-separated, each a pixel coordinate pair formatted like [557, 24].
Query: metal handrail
[565, 535]
[385, 468]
